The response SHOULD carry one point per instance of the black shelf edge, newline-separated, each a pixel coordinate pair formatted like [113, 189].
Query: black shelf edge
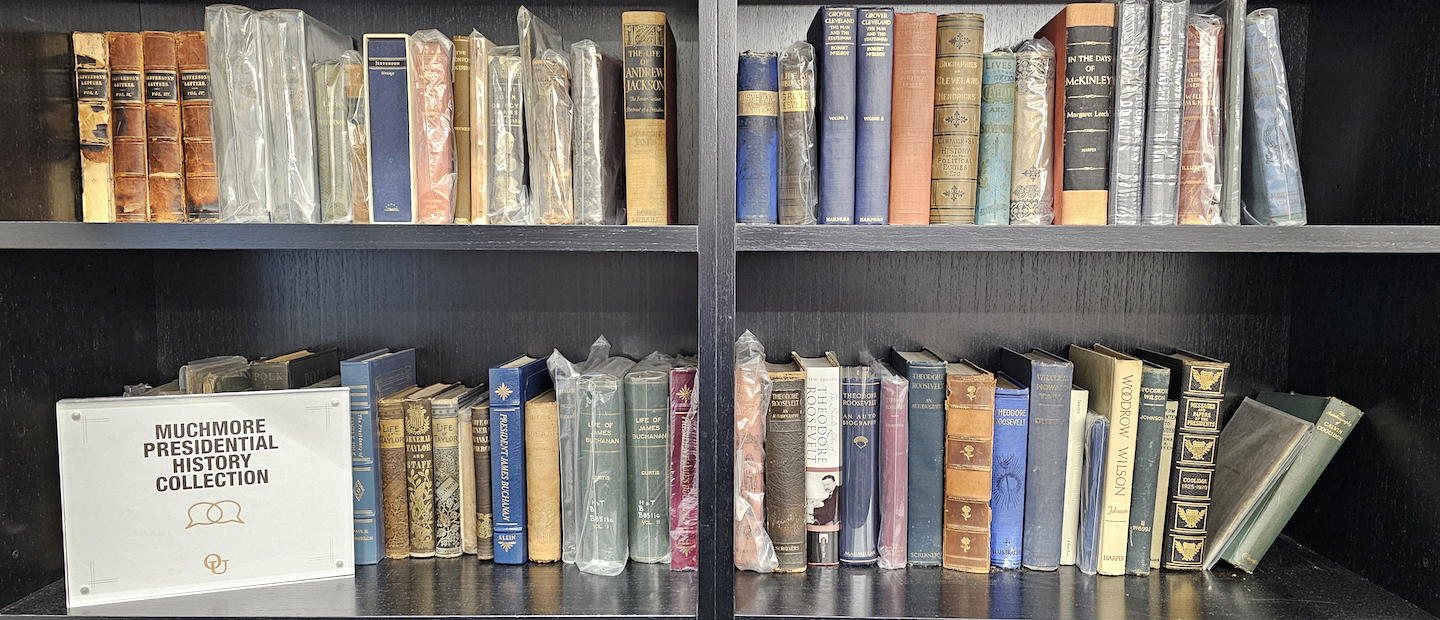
[197, 236]
[1345, 239]
[417, 588]
[1293, 583]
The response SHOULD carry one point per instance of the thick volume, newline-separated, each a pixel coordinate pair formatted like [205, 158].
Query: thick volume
[545, 65]
[602, 526]
[757, 131]
[1272, 191]
[564, 375]
[799, 200]
[647, 406]
[859, 495]
[433, 141]
[1166, 109]
[597, 136]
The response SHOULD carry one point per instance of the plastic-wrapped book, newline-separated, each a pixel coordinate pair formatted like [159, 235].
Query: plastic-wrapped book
[1272, 193]
[1166, 108]
[1127, 134]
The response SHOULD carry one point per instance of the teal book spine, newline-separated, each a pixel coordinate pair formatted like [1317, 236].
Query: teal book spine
[371, 377]
[647, 407]
[997, 127]
[602, 475]
[1149, 435]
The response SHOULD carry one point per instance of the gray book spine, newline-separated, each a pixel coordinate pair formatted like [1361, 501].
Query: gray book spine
[1161, 202]
[1127, 131]
[1231, 143]
[647, 407]
[1272, 189]
[598, 136]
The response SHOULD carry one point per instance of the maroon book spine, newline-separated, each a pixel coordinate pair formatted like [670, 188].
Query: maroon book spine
[894, 469]
[684, 450]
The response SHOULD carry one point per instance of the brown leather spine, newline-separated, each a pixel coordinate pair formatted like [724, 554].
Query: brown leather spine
[969, 437]
[650, 186]
[390, 415]
[127, 110]
[542, 477]
[955, 155]
[1200, 128]
[785, 467]
[433, 149]
[92, 95]
[359, 144]
[202, 193]
[165, 160]
[464, 124]
[912, 114]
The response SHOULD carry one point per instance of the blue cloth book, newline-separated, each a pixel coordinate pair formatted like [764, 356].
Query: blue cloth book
[387, 122]
[371, 377]
[1007, 471]
[757, 131]
[1092, 495]
[1271, 191]
[833, 35]
[512, 384]
[860, 460]
[1046, 454]
[874, 74]
[925, 475]
[997, 131]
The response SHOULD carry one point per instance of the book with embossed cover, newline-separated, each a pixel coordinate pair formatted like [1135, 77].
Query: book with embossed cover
[445, 419]
[420, 468]
[1007, 471]
[394, 488]
[371, 377]
[650, 111]
[997, 138]
[512, 384]
[912, 113]
[196, 130]
[757, 131]
[1113, 380]
[542, 477]
[1084, 35]
[955, 154]
[1032, 154]
[92, 90]
[647, 404]
[484, 501]
[684, 459]
[969, 440]
[785, 466]
[127, 114]
[833, 33]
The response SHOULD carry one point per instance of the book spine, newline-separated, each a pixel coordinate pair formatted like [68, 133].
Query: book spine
[1200, 127]
[364, 468]
[684, 459]
[393, 479]
[507, 143]
[1046, 460]
[468, 521]
[1167, 109]
[92, 95]
[1119, 467]
[969, 441]
[1007, 476]
[997, 129]
[1197, 427]
[925, 472]
[1074, 475]
[859, 493]
[420, 477]
[649, 56]
[598, 132]
[464, 122]
[550, 166]
[785, 471]
[823, 476]
[202, 194]
[757, 130]
[1089, 93]
[358, 143]
[542, 480]
[647, 406]
[1032, 188]
[874, 73]
[912, 111]
[894, 438]
[833, 33]
[1149, 432]
[387, 123]
[798, 199]
[446, 445]
[1127, 135]
[1272, 191]
[507, 467]
[1162, 482]
[752, 547]
[479, 88]
[484, 502]
[332, 141]
[604, 542]
[1232, 127]
[127, 115]
[433, 146]
[1092, 503]
[955, 155]
[270, 375]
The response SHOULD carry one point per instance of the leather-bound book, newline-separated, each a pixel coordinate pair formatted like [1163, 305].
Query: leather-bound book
[997, 138]
[434, 141]
[542, 477]
[1007, 471]
[955, 156]
[390, 418]
[92, 92]
[202, 194]
[550, 164]
[1047, 451]
[833, 34]
[860, 491]
[969, 441]
[358, 142]
[647, 406]
[165, 161]
[464, 121]
[1166, 108]
[684, 459]
[785, 466]
[823, 475]
[597, 136]
[127, 115]
[651, 189]
[757, 133]
[1113, 380]
[420, 468]
[1255, 451]
[912, 114]
[1149, 436]
[1032, 154]
[604, 543]
[295, 370]
[874, 73]
[1127, 134]
[1084, 35]
[480, 453]
[445, 423]
[925, 471]
[1200, 129]
[479, 88]
[798, 198]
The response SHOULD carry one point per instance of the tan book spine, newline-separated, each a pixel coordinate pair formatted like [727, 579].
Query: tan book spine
[542, 477]
[390, 418]
[912, 113]
[550, 167]
[649, 76]
[165, 160]
[468, 522]
[1200, 126]
[202, 192]
[464, 103]
[969, 438]
[420, 476]
[955, 154]
[358, 141]
[92, 94]
[127, 113]
[479, 134]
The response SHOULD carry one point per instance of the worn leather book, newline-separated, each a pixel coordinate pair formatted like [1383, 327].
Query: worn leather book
[969, 438]
[464, 121]
[684, 460]
[997, 138]
[1273, 192]
[387, 124]
[394, 487]
[647, 405]
[512, 384]
[597, 136]
[798, 201]
[202, 194]
[874, 72]
[860, 456]
[542, 477]
[295, 370]
[1047, 451]
[1166, 111]
[445, 422]
[925, 470]
[785, 466]
[1074, 474]
[1007, 471]
[1032, 186]
[955, 155]
[420, 468]
[127, 115]
[651, 190]
[833, 33]
[757, 131]
[1200, 128]
[1162, 482]
[92, 93]
[912, 114]
[165, 160]
[1149, 436]
[823, 475]
[1127, 135]
[1256, 449]
[1084, 36]
[371, 377]
[480, 454]
[433, 143]
[1333, 419]
[604, 542]
[1113, 380]
[358, 143]
[894, 465]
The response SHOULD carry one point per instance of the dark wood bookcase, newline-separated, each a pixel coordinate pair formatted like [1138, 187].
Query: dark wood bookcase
[1346, 306]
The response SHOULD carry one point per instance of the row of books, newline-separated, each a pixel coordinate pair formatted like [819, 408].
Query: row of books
[590, 463]
[1112, 462]
[423, 128]
[902, 118]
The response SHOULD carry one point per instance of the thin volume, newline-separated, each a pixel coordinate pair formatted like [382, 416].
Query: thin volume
[757, 131]
[833, 33]
[1200, 128]
[127, 112]
[955, 154]
[1074, 474]
[1233, 125]
[650, 116]
[1162, 482]
[1273, 193]
[92, 91]
[202, 193]
[798, 200]
[164, 156]
[464, 124]
[484, 503]
[357, 142]
[754, 551]
[684, 460]
[479, 128]
[331, 140]
[874, 73]
[597, 139]
[1032, 190]
[1166, 110]
[433, 91]
[509, 198]
[1127, 135]
[912, 108]
[1149, 438]
[997, 127]
[894, 436]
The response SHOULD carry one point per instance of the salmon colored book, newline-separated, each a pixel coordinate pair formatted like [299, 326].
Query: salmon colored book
[912, 109]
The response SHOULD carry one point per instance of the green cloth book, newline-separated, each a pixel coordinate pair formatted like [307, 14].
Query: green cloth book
[647, 409]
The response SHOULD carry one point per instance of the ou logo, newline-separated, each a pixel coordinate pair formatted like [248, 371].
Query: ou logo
[208, 513]
[216, 564]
